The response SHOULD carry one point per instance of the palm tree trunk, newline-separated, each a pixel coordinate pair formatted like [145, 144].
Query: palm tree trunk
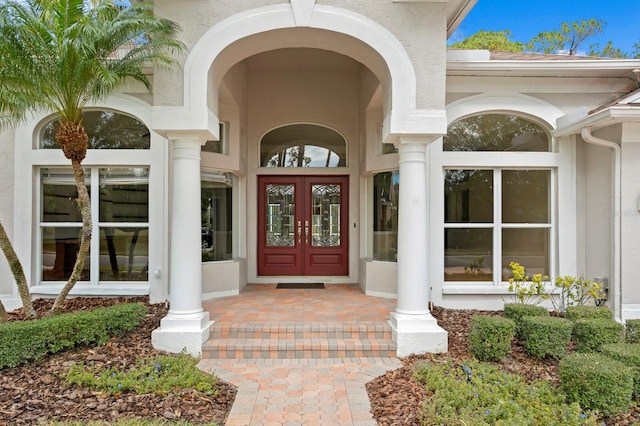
[3, 313]
[84, 204]
[18, 273]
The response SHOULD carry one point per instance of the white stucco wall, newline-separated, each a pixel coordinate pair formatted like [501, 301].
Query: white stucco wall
[630, 243]
[6, 209]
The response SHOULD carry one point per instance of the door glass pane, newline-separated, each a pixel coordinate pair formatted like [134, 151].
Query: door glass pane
[468, 254]
[280, 222]
[525, 196]
[325, 217]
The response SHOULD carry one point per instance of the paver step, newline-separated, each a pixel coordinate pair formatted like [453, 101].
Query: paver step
[302, 330]
[301, 348]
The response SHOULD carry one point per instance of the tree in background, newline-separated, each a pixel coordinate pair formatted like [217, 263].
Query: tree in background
[59, 55]
[491, 40]
[569, 38]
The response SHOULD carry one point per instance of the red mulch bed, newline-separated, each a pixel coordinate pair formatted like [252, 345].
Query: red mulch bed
[35, 393]
[397, 399]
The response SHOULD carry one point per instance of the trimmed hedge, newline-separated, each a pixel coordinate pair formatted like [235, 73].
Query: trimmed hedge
[546, 336]
[575, 313]
[516, 311]
[591, 334]
[632, 331]
[24, 341]
[490, 337]
[596, 382]
[629, 355]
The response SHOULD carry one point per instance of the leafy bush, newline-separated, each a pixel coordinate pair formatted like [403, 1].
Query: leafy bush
[596, 382]
[23, 341]
[576, 291]
[546, 336]
[163, 375]
[525, 289]
[591, 334]
[632, 331]
[575, 313]
[490, 337]
[487, 396]
[629, 355]
[516, 311]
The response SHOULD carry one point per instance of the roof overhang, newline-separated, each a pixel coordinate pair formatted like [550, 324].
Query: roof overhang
[479, 63]
[617, 114]
[457, 10]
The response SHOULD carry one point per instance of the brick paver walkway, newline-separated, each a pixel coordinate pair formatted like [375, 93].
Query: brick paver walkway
[315, 390]
[300, 391]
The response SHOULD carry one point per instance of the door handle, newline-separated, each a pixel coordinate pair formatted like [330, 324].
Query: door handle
[299, 231]
[306, 232]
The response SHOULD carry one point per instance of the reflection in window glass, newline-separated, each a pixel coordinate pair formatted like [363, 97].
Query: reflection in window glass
[527, 246]
[496, 132]
[468, 254]
[61, 237]
[216, 218]
[124, 253]
[60, 246]
[122, 226]
[106, 130]
[525, 196]
[386, 192]
[468, 196]
[303, 145]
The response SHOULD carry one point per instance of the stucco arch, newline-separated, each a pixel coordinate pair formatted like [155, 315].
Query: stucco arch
[527, 105]
[340, 30]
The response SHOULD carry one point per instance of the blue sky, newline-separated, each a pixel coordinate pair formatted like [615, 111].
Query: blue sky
[526, 18]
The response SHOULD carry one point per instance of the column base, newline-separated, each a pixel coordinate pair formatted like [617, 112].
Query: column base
[416, 334]
[182, 333]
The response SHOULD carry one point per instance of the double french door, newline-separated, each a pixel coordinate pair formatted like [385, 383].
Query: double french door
[303, 225]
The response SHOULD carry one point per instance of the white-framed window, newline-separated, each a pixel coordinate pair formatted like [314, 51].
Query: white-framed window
[124, 173]
[216, 208]
[120, 234]
[386, 196]
[499, 175]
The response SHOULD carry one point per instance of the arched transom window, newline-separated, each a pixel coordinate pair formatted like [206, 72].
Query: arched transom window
[303, 145]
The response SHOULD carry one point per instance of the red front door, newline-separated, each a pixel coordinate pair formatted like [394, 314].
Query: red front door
[303, 225]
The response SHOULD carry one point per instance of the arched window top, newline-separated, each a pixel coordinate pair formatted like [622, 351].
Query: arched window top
[496, 132]
[303, 145]
[106, 130]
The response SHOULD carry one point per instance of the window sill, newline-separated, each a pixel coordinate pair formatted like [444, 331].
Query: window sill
[104, 289]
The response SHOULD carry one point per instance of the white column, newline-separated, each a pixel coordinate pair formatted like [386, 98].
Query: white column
[414, 329]
[186, 326]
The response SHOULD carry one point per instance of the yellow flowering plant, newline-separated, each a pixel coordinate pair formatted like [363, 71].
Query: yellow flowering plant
[525, 289]
[576, 291]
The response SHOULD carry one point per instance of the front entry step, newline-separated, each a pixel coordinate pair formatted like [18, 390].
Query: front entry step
[299, 340]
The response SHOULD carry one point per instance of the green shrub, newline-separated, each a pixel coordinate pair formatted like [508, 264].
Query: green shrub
[575, 313]
[591, 334]
[632, 331]
[596, 382]
[629, 355]
[24, 341]
[516, 311]
[163, 374]
[546, 336]
[490, 337]
[492, 397]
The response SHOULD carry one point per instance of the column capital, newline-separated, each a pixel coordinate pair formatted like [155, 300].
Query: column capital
[401, 140]
[187, 136]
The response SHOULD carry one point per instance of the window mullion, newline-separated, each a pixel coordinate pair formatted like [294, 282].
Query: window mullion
[497, 226]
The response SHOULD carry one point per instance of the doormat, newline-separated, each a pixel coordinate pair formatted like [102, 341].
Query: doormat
[316, 286]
